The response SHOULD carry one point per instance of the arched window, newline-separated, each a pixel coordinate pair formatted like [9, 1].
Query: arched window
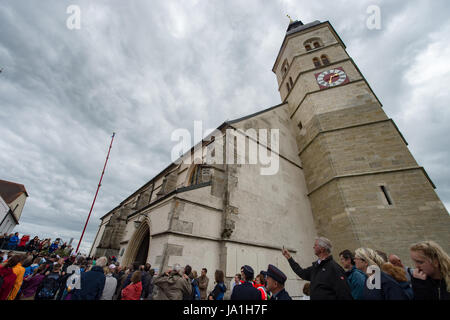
[325, 60]
[288, 87]
[316, 62]
[201, 173]
[291, 82]
[313, 43]
[196, 175]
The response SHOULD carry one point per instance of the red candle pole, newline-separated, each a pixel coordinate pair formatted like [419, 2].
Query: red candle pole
[99, 184]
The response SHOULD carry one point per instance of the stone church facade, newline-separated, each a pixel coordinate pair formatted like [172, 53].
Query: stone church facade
[345, 172]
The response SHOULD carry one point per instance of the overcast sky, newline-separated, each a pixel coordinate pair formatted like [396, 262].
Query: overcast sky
[145, 68]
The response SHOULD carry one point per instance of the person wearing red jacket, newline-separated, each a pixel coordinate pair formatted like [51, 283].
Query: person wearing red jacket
[259, 284]
[134, 290]
[9, 277]
[23, 242]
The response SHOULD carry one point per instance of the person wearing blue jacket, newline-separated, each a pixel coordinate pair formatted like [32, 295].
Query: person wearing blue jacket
[92, 282]
[386, 288]
[13, 241]
[356, 278]
[220, 288]
[54, 246]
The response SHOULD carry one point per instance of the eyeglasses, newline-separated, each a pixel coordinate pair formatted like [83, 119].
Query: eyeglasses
[359, 258]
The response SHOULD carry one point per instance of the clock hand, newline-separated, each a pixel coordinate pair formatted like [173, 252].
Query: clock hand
[331, 78]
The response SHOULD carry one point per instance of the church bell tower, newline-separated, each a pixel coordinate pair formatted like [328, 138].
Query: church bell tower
[365, 187]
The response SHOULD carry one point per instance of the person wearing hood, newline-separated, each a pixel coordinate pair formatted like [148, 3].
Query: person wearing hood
[172, 286]
[92, 282]
[220, 288]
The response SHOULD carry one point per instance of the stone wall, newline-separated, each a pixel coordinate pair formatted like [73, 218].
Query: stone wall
[270, 211]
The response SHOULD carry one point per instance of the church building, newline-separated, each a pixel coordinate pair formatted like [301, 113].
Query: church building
[344, 172]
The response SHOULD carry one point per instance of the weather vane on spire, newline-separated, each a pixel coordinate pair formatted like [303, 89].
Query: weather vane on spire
[290, 19]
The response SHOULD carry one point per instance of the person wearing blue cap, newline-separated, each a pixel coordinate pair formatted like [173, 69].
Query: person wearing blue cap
[246, 290]
[275, 283]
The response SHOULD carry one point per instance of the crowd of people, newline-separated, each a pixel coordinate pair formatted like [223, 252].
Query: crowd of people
[12, 242]
[369, 274]
[365, 274]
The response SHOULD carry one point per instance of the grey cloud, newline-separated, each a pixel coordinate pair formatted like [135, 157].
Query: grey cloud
[145, 68]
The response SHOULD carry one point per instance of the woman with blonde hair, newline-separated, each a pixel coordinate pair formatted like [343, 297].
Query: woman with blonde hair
[195, 289]
[431, 278]
[388, 288]
[110, 283]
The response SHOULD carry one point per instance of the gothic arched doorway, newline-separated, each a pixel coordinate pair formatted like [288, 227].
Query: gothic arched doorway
[141, 256]
[139, 244]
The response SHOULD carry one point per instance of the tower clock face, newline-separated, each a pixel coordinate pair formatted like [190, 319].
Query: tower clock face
[331, 78]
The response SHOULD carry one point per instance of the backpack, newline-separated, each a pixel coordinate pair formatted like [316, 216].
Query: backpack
[50, 286]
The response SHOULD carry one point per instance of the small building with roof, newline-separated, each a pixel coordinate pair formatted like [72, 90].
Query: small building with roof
[12, 201]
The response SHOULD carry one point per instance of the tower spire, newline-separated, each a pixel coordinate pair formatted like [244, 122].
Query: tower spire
[293, 23]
